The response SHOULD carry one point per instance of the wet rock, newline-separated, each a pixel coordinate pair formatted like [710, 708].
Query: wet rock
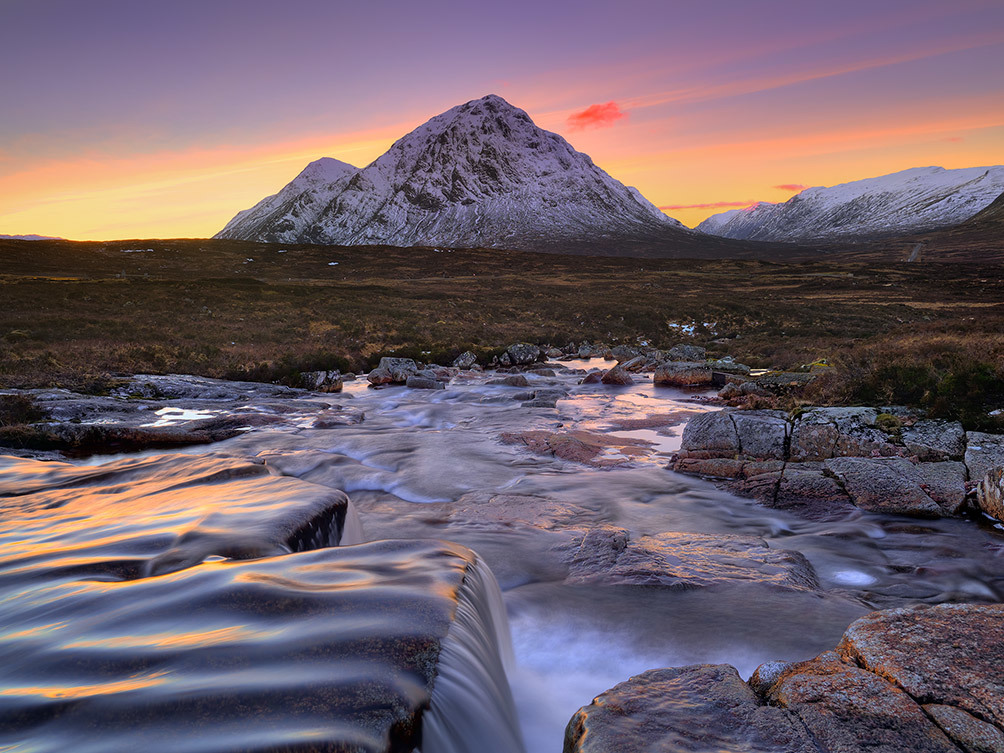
[392, 371]
[682, 374]
[889, 485]
[984, 452]
[990, 494]
[972, 735]
[577, 446]
[418, 382]
[946, 654]
[465, 360]
[513, 380]
[187, 387]
[805, 489]
[609, 556]
[933, 440]
[523, 353]
[541, 371]
[704, 708]
[294, 619]
[321, 381]
[686, 353]
[617, 376]
[847, 709]
[341, 416]
[553, 353]
[593, 377]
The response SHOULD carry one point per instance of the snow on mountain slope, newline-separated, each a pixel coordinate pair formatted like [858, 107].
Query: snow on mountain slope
[479, 175]
[915, 200]
[298, 203]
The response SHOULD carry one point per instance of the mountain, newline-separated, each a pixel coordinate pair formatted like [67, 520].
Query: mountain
[479, 175]
[911, 201]
[29, 238]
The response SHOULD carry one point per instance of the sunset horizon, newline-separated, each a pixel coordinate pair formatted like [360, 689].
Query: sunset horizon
[162, 124]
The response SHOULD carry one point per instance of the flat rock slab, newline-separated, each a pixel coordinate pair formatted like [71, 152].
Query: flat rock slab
[703, 708]
[895, 485]
[606, 555]
[329, 650]
[142, 516]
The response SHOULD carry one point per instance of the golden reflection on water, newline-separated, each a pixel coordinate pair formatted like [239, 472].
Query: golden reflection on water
[63, 692]
[188, 639]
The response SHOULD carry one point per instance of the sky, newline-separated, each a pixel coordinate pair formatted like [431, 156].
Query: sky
[153, 119]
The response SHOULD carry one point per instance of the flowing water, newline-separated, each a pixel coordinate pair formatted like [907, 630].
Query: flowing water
[469, 464]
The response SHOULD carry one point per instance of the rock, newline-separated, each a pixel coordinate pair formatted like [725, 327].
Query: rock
[321, 381]
[785, 381]
[804, 488]
[540, 371]
[728, 366]
[339, 417]
[945, 483]
[294, 619]
[947, 654]
[763, 434]
[704, 708]
[625, 353]
[523, 353]
[888, 485]
[554, 353]
[847, 709]
[593, 377]
[933, 440]
[617, 376]
[984, 452]
[392, 371]
[634, 364]
[682, 374]
[990, 494]
[822, 433]
[712, 433]
[513, 380]
[608, 556]
[418, 382]
[686, 353]
[965, 730]
[465, 360]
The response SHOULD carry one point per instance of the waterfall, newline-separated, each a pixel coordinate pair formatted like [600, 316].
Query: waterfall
[472, 709]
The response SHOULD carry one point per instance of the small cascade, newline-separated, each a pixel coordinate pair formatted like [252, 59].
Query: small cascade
[337, 525]
[352, 527]
[472, 709]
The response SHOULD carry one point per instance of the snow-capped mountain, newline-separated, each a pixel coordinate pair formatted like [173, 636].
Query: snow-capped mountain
[479, 175]
[915, 200]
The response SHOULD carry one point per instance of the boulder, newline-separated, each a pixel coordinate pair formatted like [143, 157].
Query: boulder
[972, 735]
[686, 353]
[392, 371]
[593, 377]
[848, 709]
[947, 654]
[419, 382]
[758, 435]
[705, 708]
[984, 452]
[785, 381]
[321, 381]
[682, 374]
[634, 364]
[888, 485]
[625, 353]
[553, 353]
[513, 380]
[728, 366]
[465, 360]
[990, 494]
[822, 433]
[523, 353]
[713, 434]
[932, 440]
[617, 376]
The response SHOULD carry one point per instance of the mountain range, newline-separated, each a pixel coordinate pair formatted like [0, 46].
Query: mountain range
[479, 175]
[907, 202]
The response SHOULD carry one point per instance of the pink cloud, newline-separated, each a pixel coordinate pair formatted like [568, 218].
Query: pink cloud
[713, 205]
[596, 116]
[793, 187]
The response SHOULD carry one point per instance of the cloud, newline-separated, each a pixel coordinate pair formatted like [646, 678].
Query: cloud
[791, 187]
[596, 116]
[713, 205]
[952, 139]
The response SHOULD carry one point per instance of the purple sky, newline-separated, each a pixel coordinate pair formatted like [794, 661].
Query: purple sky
[89, 84]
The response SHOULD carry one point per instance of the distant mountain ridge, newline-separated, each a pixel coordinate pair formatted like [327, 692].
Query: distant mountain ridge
[910, 201]
[479, 175]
